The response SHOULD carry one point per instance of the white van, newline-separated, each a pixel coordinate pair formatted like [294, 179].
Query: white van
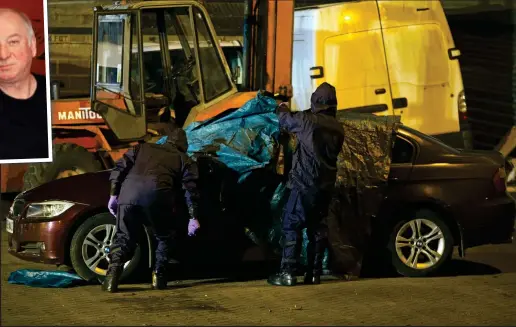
[383, 57]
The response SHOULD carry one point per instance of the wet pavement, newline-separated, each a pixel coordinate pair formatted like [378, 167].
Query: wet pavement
[479, 291]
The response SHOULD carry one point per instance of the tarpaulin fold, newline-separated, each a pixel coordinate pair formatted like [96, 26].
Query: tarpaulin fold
[45, 278]
[363, 168]
[246, 142]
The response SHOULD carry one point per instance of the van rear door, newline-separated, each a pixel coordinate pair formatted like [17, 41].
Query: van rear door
[420, 70]
[341, 44]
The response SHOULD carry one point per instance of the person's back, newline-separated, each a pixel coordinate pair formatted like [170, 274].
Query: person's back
[157, 169]
[144, 189]
[320, 137]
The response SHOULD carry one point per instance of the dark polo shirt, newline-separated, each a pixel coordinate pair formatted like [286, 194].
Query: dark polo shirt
[23, 125]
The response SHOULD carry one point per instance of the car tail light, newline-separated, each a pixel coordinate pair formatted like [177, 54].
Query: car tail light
[461, 106]
[499, 181]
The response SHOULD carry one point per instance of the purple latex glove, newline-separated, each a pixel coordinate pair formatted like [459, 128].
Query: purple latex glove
[193, 226]
[113, 204]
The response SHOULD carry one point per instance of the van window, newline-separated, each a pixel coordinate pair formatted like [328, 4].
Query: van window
[402, 151]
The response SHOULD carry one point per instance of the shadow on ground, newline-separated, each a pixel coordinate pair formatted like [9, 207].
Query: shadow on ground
[468, 268]
[208, 274]
[456, 267]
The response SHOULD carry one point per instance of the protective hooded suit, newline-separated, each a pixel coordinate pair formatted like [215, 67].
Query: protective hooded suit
[147, 182]
[311, 180]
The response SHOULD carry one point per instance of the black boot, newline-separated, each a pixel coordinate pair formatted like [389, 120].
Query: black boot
[112, 279]
[159, 280]
[284, 278]
[312, 278]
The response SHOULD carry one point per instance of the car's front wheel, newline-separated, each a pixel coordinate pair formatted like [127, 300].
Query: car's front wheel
[420, 244]
[90, 245]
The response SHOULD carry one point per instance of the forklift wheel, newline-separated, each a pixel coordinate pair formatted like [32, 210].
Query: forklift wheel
[69, 160]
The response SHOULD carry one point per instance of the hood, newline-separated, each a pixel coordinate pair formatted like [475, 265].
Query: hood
[175, 135]
[89, 188]
[324, 100]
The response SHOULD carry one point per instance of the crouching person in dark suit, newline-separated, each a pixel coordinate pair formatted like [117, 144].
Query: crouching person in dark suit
[144, 187]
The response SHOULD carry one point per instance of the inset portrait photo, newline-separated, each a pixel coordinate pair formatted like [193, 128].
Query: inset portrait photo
[25, 106]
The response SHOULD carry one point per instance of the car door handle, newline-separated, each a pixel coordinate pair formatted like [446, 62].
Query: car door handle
[379, 91]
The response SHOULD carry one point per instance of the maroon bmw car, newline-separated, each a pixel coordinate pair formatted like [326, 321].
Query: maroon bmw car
[438, 197]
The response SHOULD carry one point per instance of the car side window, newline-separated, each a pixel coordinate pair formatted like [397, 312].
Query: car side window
[402, 151]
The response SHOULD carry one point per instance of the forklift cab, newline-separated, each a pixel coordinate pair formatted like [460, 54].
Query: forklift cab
[128, 92]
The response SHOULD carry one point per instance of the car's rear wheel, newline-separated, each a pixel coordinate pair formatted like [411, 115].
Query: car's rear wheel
[420, 244]
[90, 245]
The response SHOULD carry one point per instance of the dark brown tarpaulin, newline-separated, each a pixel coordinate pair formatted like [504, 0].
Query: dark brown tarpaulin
[254, 205]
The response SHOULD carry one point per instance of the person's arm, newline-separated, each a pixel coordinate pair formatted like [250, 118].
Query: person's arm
[122, 168]
[291, 121]
[189, 180]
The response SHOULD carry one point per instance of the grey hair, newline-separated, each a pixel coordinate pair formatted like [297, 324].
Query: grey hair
[26, 21]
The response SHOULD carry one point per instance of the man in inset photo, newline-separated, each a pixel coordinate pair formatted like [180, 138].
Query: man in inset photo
[23, 95]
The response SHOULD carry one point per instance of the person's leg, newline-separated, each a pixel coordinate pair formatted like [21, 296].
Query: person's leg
[159, 274]
[293, 221]
[317, 232]
[161, 217]
[310, 254]
[124, 244]
[317, 244]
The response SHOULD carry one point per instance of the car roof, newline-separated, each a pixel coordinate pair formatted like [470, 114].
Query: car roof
[424, 140]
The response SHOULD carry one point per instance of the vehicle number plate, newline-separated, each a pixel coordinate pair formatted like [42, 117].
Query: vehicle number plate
[9, 225]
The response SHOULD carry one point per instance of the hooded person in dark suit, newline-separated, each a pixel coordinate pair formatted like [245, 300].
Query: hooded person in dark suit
[311, 181]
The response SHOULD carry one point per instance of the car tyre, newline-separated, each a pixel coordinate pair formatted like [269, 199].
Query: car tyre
[78, 251]
[432, 239]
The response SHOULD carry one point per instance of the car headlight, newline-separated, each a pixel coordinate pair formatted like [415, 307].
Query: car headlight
[48, 209]
[17, 207]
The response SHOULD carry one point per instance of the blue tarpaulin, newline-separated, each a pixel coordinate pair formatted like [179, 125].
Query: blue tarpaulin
[45, 278]
[243, 140]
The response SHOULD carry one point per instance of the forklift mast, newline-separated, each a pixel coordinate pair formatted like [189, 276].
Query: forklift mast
[129, 95]
[268, 44]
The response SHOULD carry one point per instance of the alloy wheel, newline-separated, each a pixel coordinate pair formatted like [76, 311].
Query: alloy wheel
[96, 247]
[420, 244]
